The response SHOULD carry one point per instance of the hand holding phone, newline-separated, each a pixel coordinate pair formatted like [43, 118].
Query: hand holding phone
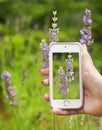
[66, 89]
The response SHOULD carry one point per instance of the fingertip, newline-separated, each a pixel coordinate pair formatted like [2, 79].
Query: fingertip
[45, 82]
[55, 111]
[44, 71]
[46, 97]
[42, 82]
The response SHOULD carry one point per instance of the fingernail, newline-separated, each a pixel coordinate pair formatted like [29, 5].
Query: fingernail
[43, 96]
[40, 71]
[42, 82]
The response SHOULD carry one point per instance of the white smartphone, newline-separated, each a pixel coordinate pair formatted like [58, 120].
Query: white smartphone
[65, 75]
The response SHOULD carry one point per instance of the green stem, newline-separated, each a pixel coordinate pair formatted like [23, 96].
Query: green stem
[88, 122]
[57, 123]
[77, 122]
[54, 121]
[17, 118]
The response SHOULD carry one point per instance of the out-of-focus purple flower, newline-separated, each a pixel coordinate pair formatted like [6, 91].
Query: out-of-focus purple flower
[54, 30]
[45, 53]
[86, 30]
[6, 76]
[11, 92]
[87, 11]
[13, 103]
[7, 97]
[87, 17]
[87, 21]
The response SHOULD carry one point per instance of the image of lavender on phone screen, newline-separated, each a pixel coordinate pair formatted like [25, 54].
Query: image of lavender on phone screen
[66, 76]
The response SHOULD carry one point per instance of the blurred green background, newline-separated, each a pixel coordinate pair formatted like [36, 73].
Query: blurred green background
[23, 23]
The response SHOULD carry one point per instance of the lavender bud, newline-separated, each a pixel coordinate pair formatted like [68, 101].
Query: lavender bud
[54, 13]
[13, 93]
[86, 30]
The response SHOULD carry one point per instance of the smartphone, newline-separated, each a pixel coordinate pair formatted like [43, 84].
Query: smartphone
[65, 75]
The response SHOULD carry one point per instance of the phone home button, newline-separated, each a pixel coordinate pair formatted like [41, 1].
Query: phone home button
[66, 103]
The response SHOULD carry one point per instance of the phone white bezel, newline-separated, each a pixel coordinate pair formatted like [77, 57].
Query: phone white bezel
[65, 47]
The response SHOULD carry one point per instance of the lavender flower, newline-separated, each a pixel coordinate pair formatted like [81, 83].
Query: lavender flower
[66, 76]
[54, 30]
[64, 86]
[45, 53]
[13, 103]
[69, 68]
[6, 76]
[11, 92]
[86, 30]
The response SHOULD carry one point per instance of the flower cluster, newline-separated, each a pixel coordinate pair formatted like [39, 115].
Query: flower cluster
[64, 86]
[69, 68]
[66, 76]
[11, 92]
[54, 30]
[45, 53]
[86, 30]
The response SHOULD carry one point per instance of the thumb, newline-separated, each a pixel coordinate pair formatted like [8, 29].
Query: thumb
[87, 62]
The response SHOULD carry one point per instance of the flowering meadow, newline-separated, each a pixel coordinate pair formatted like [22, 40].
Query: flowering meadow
[23, 25]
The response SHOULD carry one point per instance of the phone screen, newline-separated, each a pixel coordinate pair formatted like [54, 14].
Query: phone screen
[66, 84]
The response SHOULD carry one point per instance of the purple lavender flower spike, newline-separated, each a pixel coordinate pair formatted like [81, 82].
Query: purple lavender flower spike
[54, 30]
[69, 68]
[66, 76]
[45, 53]
[64, 86]
[11, 92]
[86, 30]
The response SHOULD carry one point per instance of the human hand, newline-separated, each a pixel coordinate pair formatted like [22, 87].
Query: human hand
[92, 82]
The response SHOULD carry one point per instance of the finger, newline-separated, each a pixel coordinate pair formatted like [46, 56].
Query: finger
[45, 82]
[87, 63]
[84, 47]
[46, 97]
[64, 112]
[45, 72]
